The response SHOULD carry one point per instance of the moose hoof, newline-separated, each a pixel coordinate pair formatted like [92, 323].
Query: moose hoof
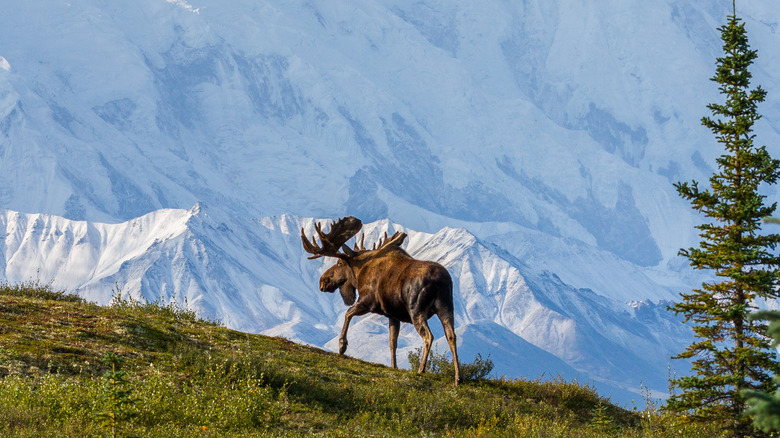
[342, 348]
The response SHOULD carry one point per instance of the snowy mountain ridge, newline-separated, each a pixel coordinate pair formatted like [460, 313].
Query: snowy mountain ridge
[254, 276]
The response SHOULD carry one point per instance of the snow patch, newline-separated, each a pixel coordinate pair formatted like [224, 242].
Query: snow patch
[184, 5]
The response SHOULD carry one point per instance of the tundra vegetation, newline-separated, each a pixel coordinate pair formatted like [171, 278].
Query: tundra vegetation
[185, 377]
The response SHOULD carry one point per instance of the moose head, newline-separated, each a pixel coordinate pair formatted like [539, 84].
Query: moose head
[338, 276]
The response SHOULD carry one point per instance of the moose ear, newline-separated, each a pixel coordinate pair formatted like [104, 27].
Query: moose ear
[347, 251]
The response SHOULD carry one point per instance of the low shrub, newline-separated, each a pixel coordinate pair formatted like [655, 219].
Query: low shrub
[38, 290]
[442, 364]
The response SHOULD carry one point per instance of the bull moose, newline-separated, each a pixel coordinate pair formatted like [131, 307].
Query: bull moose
[387, 281]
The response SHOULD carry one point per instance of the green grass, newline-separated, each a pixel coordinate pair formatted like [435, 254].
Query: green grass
[185, 377]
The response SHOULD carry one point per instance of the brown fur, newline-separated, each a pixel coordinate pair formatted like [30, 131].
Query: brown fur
[390, 282]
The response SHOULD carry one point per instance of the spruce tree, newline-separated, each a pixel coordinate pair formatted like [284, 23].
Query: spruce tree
[730, 352]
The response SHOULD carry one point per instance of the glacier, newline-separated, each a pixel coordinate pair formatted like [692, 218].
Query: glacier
[530, 146]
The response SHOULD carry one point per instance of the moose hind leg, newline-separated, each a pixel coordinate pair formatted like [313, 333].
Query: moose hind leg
[449, 331]
[421, 324]
[395, 325]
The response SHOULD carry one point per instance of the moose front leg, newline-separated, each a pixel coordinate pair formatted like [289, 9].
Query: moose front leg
[395, 325]
[355, 310]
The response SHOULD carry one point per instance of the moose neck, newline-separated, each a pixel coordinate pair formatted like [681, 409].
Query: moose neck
[369, 260]
[354, 265]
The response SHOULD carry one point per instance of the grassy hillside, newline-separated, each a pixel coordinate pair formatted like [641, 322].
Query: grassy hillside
[174, 375]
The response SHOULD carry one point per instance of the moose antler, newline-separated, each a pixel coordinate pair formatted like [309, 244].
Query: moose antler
[384, 244]
[395, 239]
[361, 246]
[340, 231]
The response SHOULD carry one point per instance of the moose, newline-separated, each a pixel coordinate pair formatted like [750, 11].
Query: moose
[387, 281]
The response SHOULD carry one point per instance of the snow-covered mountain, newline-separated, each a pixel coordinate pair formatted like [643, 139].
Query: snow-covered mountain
[571, 118]
[534, 142]
[254, 276]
